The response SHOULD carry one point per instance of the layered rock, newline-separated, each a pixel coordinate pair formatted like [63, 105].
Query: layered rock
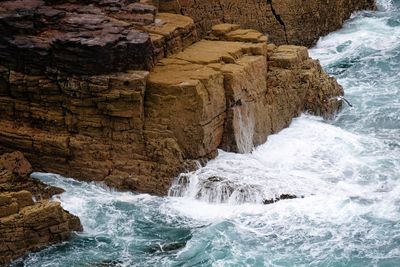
[137, 130]
[285, 21]
[14, 177]
[26, 225]
[103, 37]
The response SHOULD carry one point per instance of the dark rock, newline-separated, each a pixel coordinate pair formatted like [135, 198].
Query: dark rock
[27, 224]
[71, 39]
[281, 197]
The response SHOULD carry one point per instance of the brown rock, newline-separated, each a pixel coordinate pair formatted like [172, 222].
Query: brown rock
[16, 164]
[171, 33]
[290, 21]
[137, 130]
[74, 39]
[26, 226]
[14, 177]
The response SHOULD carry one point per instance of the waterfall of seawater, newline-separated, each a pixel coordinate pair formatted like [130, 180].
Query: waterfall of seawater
[346, 170]
[244, 128]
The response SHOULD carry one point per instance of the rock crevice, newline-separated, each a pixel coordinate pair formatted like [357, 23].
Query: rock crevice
[137, 130]
[286, 22]
[279, 19]
[135, 123]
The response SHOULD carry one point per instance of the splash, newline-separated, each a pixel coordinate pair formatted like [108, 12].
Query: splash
[347, 171]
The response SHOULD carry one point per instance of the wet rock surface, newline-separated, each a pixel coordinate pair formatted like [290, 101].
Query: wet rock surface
[27, 225]
[137, 130]
[281, 197]
[217, 189]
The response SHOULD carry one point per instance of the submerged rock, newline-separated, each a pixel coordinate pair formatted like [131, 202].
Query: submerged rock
[216, 189]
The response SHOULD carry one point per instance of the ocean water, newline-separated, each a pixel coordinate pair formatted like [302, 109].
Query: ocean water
[345, 172]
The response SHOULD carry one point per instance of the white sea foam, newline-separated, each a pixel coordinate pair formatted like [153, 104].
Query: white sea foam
[346, 169]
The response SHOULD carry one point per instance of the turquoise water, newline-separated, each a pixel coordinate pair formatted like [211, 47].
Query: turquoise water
[348, 171]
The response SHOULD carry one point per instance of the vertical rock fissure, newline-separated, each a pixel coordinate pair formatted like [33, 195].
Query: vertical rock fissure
[222, 10]
[279, 19]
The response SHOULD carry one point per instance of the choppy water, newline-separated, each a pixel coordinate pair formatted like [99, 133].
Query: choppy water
[347, 170]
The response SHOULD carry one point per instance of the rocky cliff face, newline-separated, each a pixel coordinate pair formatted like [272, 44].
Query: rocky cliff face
[285, 21]
[26, 225]
[14, 177]
[137, 129]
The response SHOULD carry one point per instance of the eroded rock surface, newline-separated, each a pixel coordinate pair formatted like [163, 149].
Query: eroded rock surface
[14, 177]
[26, 225]
[285, 21]
[104, 36]
[137, 130]
[114, 91]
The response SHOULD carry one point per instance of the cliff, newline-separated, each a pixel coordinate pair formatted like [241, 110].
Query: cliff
[14, 177]
[285, 21]
[75, 103]
[26, 225]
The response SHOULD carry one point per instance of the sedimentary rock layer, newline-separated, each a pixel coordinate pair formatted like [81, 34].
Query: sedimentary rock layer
[137, 130]
[26, 225]
[108, 36]
[285, 21]
[14, 177]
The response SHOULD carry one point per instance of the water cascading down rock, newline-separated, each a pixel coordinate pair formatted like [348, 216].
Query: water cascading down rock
[132, 98]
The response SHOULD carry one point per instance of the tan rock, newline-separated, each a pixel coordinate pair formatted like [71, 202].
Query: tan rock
[137, 130]
[290, 21]
[171, 33]
[14, 177]
[26, 226]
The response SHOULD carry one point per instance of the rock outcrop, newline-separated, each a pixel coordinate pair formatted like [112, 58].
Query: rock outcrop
[137, 129]
[131, 98]
[14, 177]
[104, 37]
[26, 225]
[286, 21]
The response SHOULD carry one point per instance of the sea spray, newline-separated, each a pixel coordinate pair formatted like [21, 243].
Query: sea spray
[346, 169]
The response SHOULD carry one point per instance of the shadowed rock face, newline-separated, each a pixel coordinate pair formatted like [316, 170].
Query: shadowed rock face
[26, 225]
[73, 39]
[14, 177]
[285, 21]
[137, 130]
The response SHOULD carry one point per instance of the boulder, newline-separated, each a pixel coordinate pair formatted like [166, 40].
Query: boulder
[74, 39]
[27, 226]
